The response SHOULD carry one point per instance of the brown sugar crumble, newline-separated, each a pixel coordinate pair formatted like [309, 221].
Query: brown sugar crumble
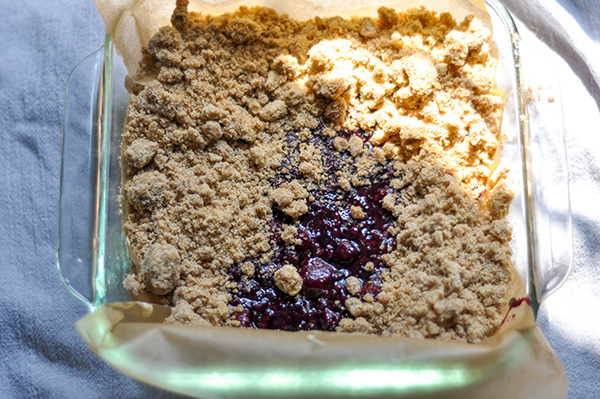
[330, 174]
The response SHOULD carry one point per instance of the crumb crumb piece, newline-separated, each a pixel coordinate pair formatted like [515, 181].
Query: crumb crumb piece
[140, 152]
[212, 131]
[379, 155]
[291, 198]
[357, 212]
[289, 234]
[183, 313]
[248, 269]
[340, 144]
[368, 28]
[288, 280]
[358, 308]
[355, 146]
[501, 230]
[389, 202]
[358, 325]
[133, 284]
[146, 189]
[258, 156]
[389, 150]
[273, 111]
[160, 269]
[387, 17]
[344, 184]
[353, 285]
[500, 198]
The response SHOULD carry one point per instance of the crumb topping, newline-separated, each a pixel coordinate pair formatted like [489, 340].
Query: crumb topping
[288, 280]
[247, 121]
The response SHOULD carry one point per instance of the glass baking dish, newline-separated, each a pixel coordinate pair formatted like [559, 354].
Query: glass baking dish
[92, 255]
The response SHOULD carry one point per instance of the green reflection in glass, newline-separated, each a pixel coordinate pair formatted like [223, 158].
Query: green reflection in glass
[99, 278]
[371, 378]
[369, 381]
[374, 379]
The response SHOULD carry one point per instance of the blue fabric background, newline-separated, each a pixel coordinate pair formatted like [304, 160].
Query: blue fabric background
[42, 356]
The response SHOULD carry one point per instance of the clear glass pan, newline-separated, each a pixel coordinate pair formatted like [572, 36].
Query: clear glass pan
[92, 256]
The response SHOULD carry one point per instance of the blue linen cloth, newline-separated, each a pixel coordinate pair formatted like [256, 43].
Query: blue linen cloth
[41, 41]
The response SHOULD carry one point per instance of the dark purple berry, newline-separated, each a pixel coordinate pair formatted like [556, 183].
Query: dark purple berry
[346, 251]
[317, 273]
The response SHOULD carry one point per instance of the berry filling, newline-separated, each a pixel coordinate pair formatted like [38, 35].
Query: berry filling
[331, 246]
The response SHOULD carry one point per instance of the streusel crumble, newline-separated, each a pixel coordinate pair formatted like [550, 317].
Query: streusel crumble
[330, 174]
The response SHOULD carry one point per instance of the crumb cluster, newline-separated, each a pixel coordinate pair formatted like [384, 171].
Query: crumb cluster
[228, 128]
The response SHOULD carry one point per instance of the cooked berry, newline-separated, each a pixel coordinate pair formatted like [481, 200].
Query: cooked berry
[332, 246]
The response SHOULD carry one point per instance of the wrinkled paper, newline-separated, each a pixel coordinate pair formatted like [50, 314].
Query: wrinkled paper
[131, 23]
[224, 362]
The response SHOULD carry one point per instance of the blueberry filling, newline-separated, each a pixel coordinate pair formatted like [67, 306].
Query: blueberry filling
[331, 247]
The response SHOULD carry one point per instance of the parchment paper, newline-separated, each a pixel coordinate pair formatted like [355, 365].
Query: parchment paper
[215, 362]
[132, 23]
[223, 362]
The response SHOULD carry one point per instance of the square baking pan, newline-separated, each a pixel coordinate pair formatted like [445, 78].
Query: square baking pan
[92, 255]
